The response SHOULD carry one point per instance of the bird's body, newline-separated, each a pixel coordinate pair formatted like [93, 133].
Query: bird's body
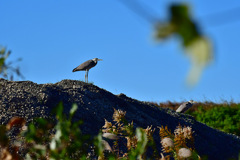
[185, 106]
[86, 66]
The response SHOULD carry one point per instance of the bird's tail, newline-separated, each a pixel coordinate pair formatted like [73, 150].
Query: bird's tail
[74, 70]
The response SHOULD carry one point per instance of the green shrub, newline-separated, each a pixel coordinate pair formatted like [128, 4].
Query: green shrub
[225, 118]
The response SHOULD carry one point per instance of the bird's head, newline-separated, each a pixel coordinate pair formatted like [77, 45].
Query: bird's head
[192, 101]
[96, 60]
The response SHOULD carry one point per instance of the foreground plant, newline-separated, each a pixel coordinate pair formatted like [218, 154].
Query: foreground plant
[179, 145]
[63, 139]
[8, 151]
[65, 142]
[45, 139]
[7, 69]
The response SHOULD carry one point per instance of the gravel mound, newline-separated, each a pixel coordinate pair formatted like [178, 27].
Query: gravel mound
[29, 100]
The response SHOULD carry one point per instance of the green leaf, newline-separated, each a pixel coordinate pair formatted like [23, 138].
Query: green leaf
[73, 109]
[42, 122]
[3, 137]
[163, 31]
[2, 51]
[2, 61]
[98, 144]
[142, 141]
[200, 53]
[53, 144]
[184, 25]
[58, 110]
[31, 133]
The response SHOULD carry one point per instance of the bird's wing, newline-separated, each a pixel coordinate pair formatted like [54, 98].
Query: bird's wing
[184, 107]
[85, 66]
[189, 105]
[180, 108]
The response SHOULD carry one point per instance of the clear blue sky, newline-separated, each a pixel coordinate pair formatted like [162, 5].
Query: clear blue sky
[54, 36]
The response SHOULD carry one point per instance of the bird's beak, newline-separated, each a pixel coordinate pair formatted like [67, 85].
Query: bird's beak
[195, 102]
[99, 59]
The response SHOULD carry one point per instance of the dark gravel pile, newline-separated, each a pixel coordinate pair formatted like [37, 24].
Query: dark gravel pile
[27, 99]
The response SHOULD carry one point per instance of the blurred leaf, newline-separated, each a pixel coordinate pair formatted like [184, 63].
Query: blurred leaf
[142, 141]
[2, 61]
[44, 124]
[136, 153]
[184, 26]
[197, 47]
[58, 134]
[6, 155]
[7, 54]
[200, 54]
[179, 23]
[6, 68]
[73, 109]
[163, 31]
[110, 136]
[3, 136]
[58, 110]
[16, 121]
[200, 51]
[53, 144]
[31, 134]
[2, 51]
[41, 122]
[99, 145]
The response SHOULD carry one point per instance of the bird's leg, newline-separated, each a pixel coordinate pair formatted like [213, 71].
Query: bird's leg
[86, 76]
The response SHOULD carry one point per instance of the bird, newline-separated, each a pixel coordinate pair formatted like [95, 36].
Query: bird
[185, 106]
[86, 66]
